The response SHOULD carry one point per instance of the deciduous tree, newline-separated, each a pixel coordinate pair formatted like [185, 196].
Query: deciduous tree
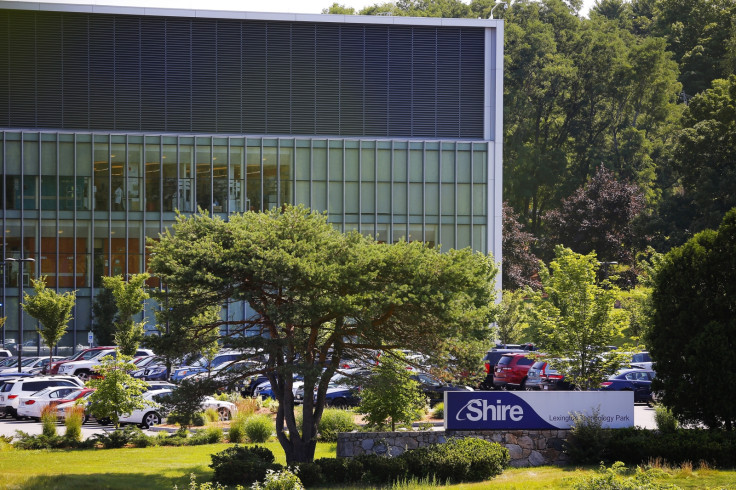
[129, 298]
[314, 296]
[52, 310]
[116, 391]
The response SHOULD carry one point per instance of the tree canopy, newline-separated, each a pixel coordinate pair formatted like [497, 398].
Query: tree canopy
[694, 330]
[129, 297]
[52, 310]
[314, 296]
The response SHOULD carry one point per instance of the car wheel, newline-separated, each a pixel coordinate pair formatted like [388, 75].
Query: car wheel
[223, 414]
[83, 374]
[149, 419]
[104, 421]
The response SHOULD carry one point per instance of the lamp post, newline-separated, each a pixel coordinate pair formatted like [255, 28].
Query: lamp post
[20, 306]
[2, 299]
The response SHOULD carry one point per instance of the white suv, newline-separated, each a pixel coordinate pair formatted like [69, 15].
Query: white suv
[13, 389]
[83, 369]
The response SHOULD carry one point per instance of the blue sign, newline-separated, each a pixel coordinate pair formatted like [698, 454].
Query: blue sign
[495, 410]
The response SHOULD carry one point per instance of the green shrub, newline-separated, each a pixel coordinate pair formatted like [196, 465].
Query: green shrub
[236, 434]
[617, 477]
[279, 480]
[117, 438]
[665, 419]
[211, 415]
[211, 435]
[73, 422]
[310, 474]
[193, 485]
[143, 440]
[438, 412]
[48, 421]
[340, 470]
[333, 421]
[458, 460]
[382, 469]
[587, 440]
[258, 428]
[40, 441]
[242, 465]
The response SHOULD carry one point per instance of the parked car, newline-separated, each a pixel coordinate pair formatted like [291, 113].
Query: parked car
[82, 355]
[31, 364]
[16, 387]
[340, 395]
[200, 365]
[5, 353]
[85, 368]
[641, 360]
[155, 412]
[151, 368]
[32, 405]
[542, 376]
[637, 380]
[511, 371]
[490, 360]
[77, 398]
[434, 389]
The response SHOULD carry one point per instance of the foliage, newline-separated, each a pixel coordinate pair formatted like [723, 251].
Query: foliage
[185, 402]
[129, 298]
[279, 480]
[335, 420]
[703, 156]
[48, 421]
[73, 420]
[587, 440]
[665, 419]
[117, 438]
[390, 395]
[438, 411]
[210, 435]
[598, 218]
[104, 314]
[258, 428]
[458, 460]
[193, 485]
[513, 317]
[243, 465]
[617, 477]
[24, 440]
[692, 333]
[519, 268]
[116, 391]
[317, 295]
[236, 433]
[338, 9]
[577, 320]
[636, 302]
[52, 310]
[211, 415]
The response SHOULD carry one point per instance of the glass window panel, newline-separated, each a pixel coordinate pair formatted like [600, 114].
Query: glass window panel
[430, 235]
[48, 192]
[302, 164]
[319, 163]
[368, 164]
[416, 199]
[253, 178]
[432, 199]
[134, 175]
[101, 256]
[66, 159]
[447, 240]
[479, 167]
[335, 164]
[463, 236]
[351, 164]
[286, 166]
[448, 199]
[169, 175]
[463, 166]
[84, 158]
[463, 199]
[352, 196]
[48, 158]
[302, 192]
[479, 199]
[384, 198]
[49, 253]
[368, 198]
[30, 157]
[384, 165]
[382, 233]
[399, 233]
[186, 177]
[431, 166]
[319, 196]
[336, 190]
[12, 157]
[399, 202]
[204, 176]
[117, 176]
[400, 166]
[415, 166]
[415, 233]
[153, 178]
[237, 180]
[448, 166]
[270, 181]
[219, 179]
[479, 238]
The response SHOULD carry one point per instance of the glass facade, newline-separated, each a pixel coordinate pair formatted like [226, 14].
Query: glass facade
[83, 204]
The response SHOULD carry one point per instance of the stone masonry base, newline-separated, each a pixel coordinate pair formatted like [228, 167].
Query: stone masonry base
[526, 447]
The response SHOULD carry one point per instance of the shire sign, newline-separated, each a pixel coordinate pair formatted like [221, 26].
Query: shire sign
[493, 410]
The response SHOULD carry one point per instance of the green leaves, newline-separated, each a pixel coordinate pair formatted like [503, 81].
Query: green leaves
[52, 310]
[117, 392]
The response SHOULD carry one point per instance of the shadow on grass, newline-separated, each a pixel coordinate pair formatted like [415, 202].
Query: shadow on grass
[122, 481]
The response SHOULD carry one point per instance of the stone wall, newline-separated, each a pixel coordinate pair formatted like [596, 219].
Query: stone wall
[526, 447]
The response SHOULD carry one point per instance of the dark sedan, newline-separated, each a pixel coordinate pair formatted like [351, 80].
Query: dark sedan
[637, 380]
[433, 388]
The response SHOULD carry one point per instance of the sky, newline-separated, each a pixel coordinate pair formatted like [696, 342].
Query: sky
[291, 6]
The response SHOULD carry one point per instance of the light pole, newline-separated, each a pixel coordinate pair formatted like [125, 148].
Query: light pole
[2, 299]
[20, 306]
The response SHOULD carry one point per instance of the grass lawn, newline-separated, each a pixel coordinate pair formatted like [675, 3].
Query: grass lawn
[164, 467]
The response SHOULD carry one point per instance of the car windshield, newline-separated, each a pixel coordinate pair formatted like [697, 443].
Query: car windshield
[426, 379]
[28, 361]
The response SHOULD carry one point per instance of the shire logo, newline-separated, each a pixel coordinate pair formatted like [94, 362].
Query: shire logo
[478, 409]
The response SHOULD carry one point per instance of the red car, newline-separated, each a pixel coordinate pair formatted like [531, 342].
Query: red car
[82, 355]
[511, 371]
